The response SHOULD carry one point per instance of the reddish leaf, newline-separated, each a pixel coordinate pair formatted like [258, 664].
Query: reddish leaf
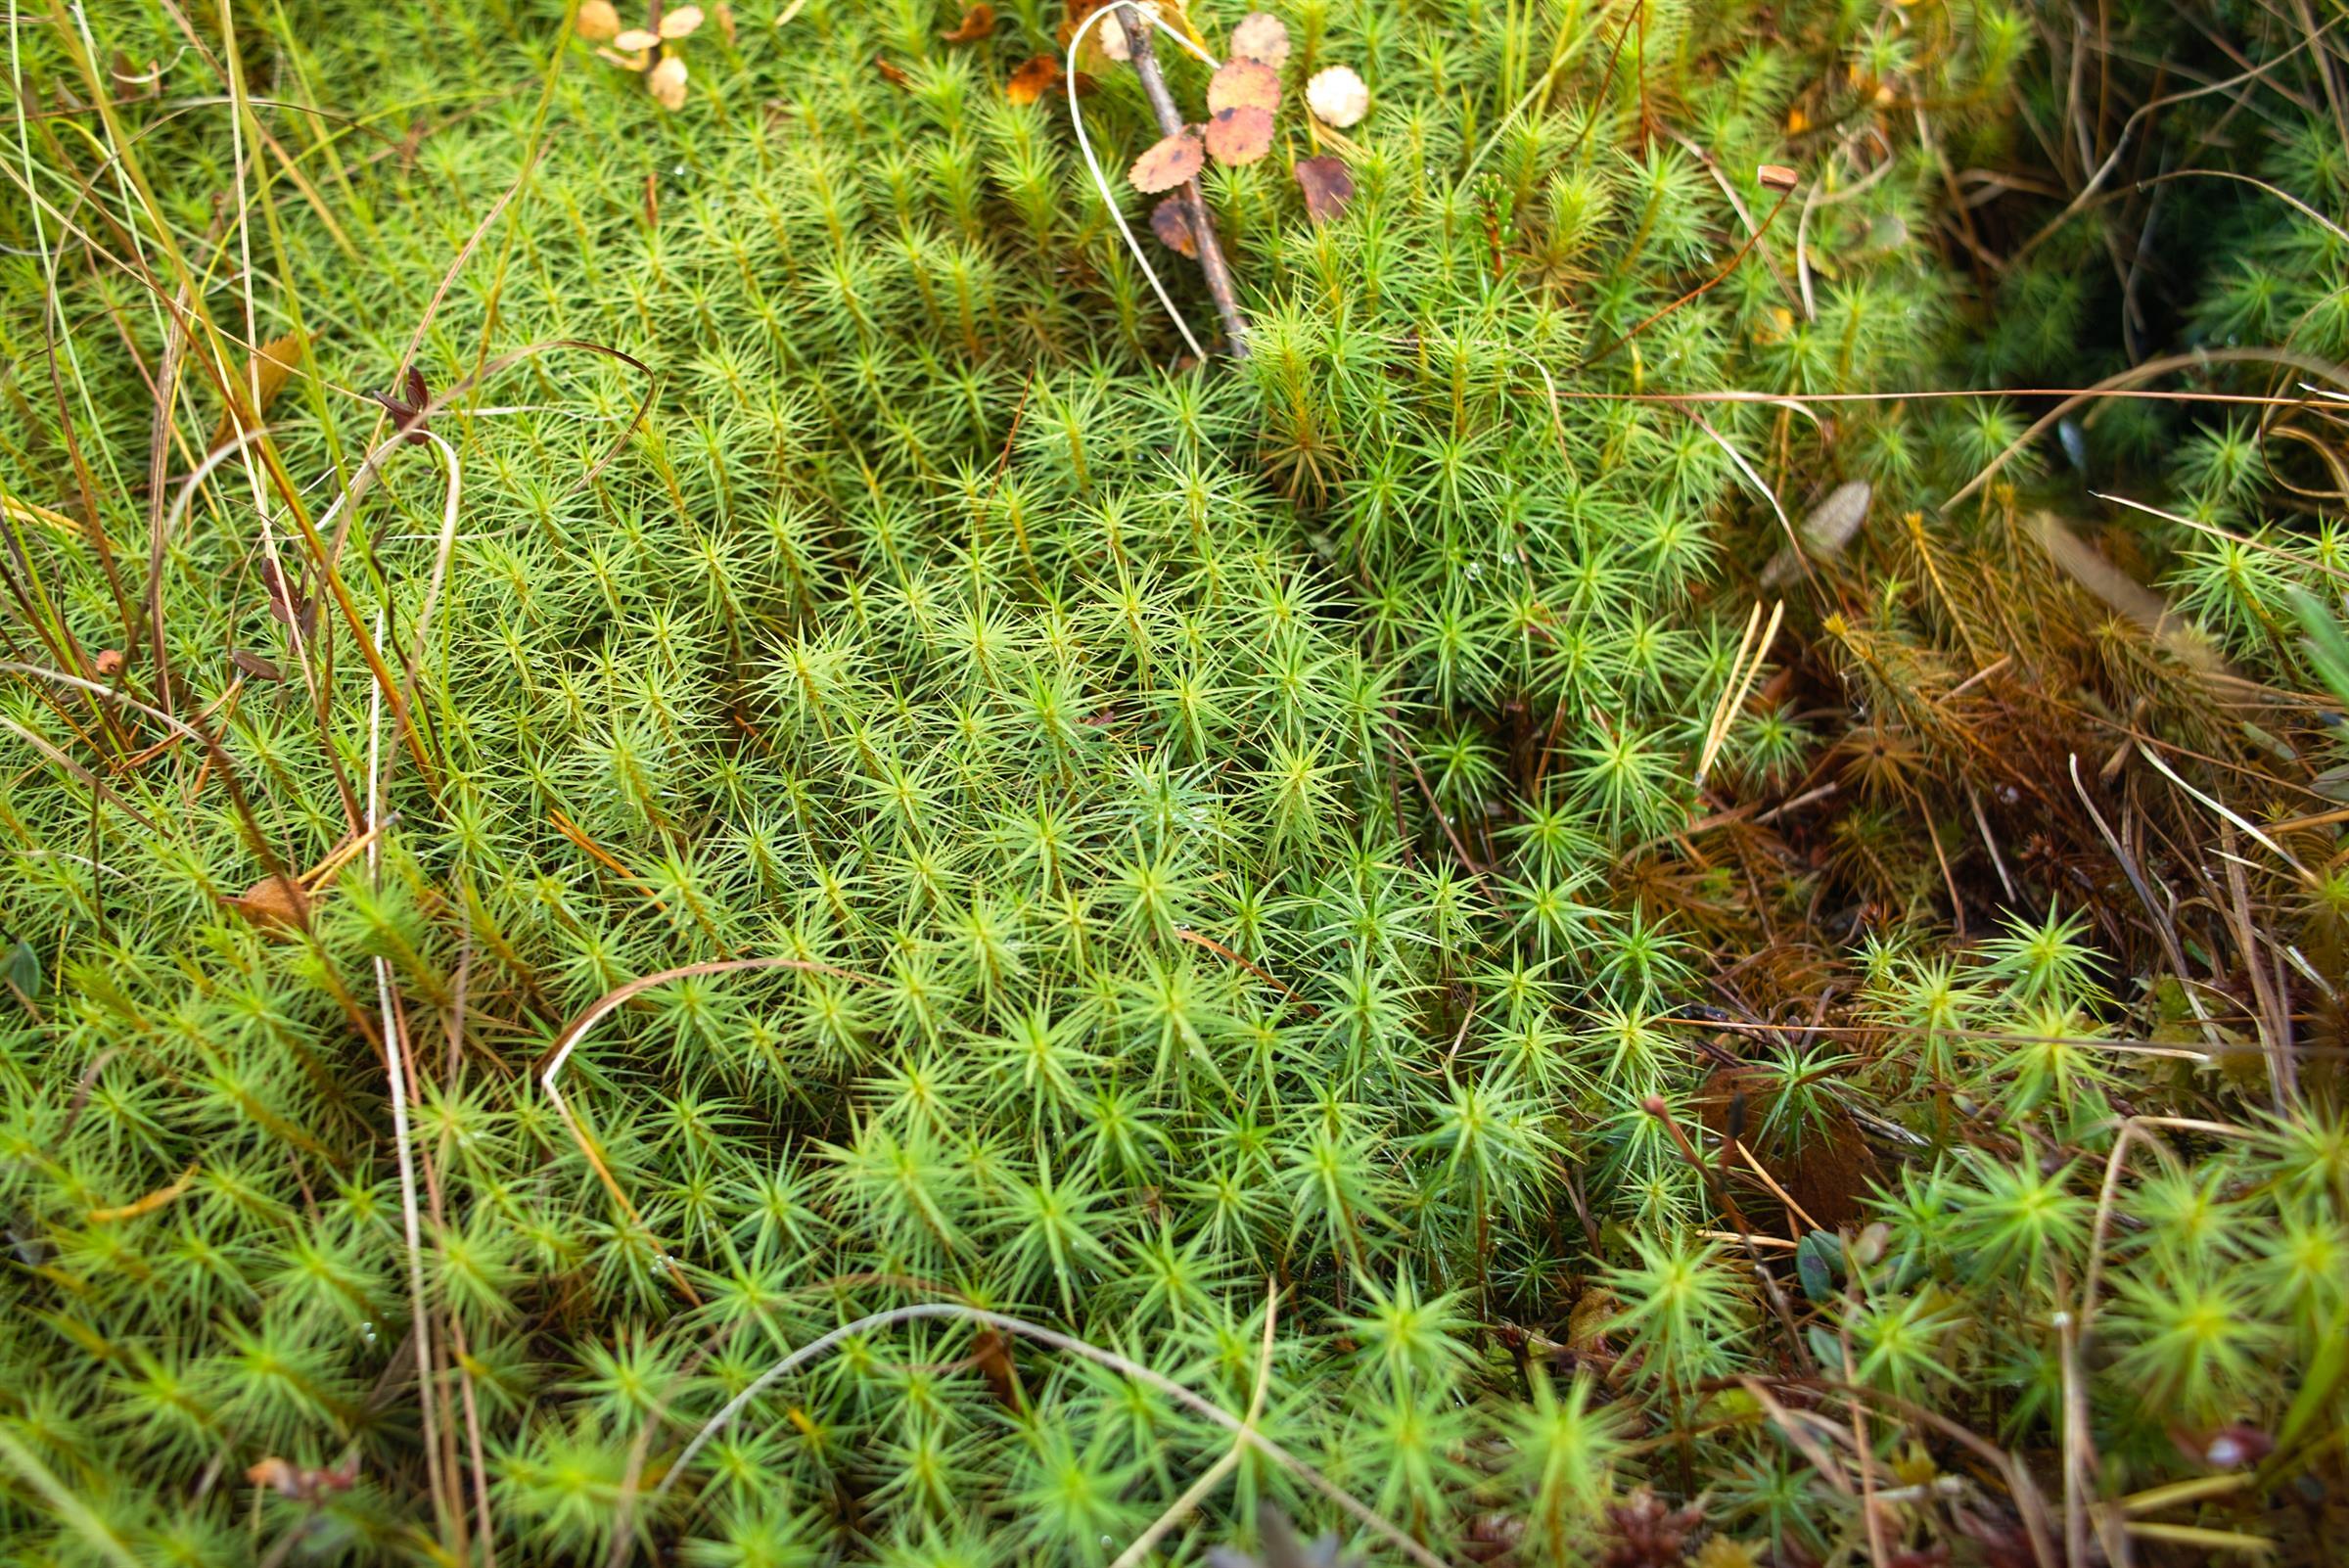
[977, 21]
[1239, 83]
[893, 74]
[1326, 185]
[1171, 221]
[1170, 160]
[1033, 79]
[1240, 135]
[255, 665]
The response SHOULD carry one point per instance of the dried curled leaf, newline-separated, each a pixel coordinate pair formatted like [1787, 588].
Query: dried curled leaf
[1241, 135]
[270, 368]
[599, 21]
[978, 21]
[680, 23]
[1338, 96]
[1171, 221]
[1032, 81]
[1170, 160]
[275, 901]
[667, 83]
[1260, 37]
[893, 74]
[1242, 83]
[1326, 185]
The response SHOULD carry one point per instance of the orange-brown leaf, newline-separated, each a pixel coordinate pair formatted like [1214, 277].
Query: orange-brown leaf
[893, 74]
[1032, 81]
[1171, 221]
[1240, 135]
[1170, 160]
[978, 21]
[266, 373]
[1238, 84]
[1326, 185]
[275, 901]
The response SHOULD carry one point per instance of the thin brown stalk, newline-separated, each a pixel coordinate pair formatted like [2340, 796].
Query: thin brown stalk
[1212, 265]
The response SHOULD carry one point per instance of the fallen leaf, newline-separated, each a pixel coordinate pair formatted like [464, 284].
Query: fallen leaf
[667, 83]
[1033, 79]
[1170, 160]
[635, 40]
[1777, 177]
[890, 73]
[599, 21]
[1326, 185]
[978, 21]
[1240, 84]
[1260, 37]
[680, 23]
[267, 373]
[1338, 96]
[1172, 223]
[1240, 135]
[275, 901]
[255, 665]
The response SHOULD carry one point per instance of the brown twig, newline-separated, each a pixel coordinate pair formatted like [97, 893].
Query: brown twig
[1194, 200]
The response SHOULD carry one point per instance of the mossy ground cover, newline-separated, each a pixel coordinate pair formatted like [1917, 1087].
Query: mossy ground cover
[635, 737]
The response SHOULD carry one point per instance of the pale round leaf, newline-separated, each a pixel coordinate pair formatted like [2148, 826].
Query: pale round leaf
[667, 83]
[1260, 36]
[635, 38]
[682, 21]
[599, 21]
[1338, 96]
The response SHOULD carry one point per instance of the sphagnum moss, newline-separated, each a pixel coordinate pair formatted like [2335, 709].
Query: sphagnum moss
[1231, 827]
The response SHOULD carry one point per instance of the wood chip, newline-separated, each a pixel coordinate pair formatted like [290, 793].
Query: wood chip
[1170, 160]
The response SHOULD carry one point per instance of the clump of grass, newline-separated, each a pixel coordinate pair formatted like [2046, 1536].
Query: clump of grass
[812, 776]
